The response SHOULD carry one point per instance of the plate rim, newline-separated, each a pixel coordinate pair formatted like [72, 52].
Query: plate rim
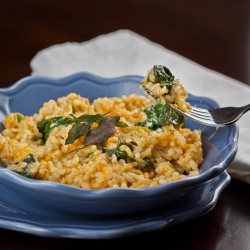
[150, 223]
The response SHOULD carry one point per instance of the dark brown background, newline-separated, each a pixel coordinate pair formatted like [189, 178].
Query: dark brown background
[213, 33]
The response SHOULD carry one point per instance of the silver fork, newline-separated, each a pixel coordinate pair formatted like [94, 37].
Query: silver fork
[212, 117]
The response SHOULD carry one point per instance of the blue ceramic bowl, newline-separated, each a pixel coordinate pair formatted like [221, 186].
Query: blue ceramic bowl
[28, 95]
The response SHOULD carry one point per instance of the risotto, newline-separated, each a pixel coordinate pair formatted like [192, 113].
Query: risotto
[119, 142]
[160, 83]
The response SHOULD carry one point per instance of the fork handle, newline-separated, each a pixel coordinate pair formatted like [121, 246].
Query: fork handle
[245, 108]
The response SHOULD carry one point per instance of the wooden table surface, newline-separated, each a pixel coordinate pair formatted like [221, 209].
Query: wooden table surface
[215, 34]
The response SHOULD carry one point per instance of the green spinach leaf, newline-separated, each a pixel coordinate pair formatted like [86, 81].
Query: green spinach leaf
[29, 159]
[159, 115]
[147, 163]
[47, 125]
[120, 154]
[163, 76]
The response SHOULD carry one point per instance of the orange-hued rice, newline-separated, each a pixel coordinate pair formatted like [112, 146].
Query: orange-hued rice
[175, 152]
[176, 96]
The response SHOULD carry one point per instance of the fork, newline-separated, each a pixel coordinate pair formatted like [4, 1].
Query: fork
[212, 117]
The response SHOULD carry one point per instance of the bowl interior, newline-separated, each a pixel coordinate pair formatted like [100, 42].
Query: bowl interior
[28, 95]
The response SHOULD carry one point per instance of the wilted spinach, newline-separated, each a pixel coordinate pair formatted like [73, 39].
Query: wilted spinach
[147, 163]
[47, 125]
[120, 154]
[159, 115]
[29, 159]
[82, 125]
[163, 76]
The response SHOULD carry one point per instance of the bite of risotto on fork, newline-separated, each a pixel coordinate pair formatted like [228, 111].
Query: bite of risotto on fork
[160, 84]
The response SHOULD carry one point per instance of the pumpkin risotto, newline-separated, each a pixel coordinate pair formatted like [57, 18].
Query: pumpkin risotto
[128, 142]
[160, 83]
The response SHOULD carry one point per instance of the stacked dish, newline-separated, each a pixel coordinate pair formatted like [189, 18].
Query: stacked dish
[57, 210]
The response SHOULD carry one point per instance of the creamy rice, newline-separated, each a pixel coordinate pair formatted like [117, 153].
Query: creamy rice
[176, 153]
[161, 83]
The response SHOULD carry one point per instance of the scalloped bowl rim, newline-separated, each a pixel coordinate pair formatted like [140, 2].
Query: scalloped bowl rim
[9, 178]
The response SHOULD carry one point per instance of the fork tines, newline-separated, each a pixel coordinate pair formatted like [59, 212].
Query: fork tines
[201, 113]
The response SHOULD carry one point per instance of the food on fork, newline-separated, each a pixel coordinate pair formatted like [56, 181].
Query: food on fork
[160, 84]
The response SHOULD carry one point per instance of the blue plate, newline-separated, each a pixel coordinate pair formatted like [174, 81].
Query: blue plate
[43, 221]
[28, 95]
